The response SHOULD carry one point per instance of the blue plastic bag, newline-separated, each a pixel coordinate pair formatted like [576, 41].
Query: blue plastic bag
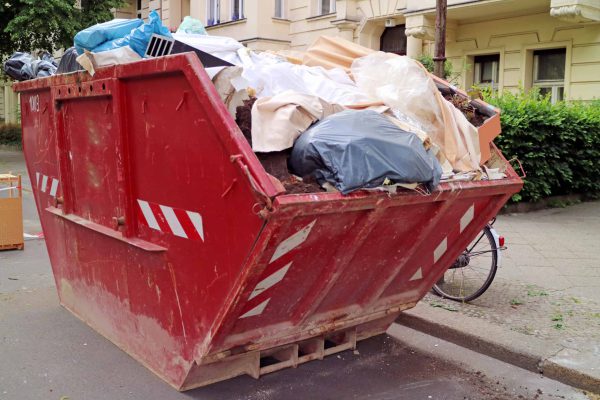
[94, 36]
[140, 37]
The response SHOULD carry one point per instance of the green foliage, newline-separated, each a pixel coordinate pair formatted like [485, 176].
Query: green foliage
[28, 25]
[558, 144]
[429, 64]
[10, 134]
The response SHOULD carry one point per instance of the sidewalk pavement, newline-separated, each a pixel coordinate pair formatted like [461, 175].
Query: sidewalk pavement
[542, 311]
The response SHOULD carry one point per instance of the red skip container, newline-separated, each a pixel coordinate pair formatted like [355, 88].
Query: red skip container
[167, 236]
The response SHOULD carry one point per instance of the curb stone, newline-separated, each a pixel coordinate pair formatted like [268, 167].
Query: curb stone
[528, 352]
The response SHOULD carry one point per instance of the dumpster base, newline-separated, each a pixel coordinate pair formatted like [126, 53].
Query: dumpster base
[261, 362]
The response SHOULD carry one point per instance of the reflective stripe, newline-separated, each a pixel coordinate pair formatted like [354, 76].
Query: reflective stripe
[148, 215]
[173, 222]
[197, 222]
[54, 187]
[269, 281]
[417, 275]
[440, 250]
[256, 310]
[467, 218]
[292, 242]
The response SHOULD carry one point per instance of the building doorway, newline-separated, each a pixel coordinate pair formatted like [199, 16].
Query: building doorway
[393, 40]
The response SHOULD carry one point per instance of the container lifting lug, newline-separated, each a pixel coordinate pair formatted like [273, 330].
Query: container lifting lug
[266, 200]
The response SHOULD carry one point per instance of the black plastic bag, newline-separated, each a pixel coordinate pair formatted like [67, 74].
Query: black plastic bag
[360, 149]
[68, 62]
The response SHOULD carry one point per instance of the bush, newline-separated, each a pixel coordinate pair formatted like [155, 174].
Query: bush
[10, 134]
[429, 65]
[558, 144]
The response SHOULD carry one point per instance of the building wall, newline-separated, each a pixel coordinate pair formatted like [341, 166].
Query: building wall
[306, 26]
[516, 38]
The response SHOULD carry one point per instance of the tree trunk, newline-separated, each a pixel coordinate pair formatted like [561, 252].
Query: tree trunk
[440, 37]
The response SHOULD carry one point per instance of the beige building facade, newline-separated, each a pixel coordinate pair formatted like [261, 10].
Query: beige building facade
[505, 44]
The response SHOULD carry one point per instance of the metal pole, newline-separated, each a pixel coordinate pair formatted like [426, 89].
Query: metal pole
[440, 37]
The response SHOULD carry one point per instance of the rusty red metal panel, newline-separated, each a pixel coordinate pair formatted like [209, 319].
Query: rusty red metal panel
[167, 236]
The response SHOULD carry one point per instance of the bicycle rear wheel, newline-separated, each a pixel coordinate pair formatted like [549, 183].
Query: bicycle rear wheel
[473, 272]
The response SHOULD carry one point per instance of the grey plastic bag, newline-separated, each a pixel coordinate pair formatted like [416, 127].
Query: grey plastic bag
[23, 66]
[360, 149]
[18, 66]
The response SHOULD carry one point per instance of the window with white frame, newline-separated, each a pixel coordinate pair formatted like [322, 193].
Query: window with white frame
[325, 7]
[279, 9]
[549, 72]
[237, 9]
[213, 10]
[486, 70]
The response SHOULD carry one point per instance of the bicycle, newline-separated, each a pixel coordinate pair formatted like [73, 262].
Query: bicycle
[474, 270]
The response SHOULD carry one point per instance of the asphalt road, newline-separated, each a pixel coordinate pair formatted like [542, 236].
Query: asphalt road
[47, 353]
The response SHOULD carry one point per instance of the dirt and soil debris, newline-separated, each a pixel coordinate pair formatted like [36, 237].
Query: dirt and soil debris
[243, 118]
[473, 115]
[275, 163]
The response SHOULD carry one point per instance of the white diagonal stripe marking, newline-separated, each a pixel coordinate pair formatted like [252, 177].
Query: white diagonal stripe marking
[440, 250]
[292, 242]
[44, 182]
[197, 221]
[417, 275]
[37, 179]
[269, 281]
[256, 310]
[54, 187]
[173, 222]
[148, 214]
[467, 218]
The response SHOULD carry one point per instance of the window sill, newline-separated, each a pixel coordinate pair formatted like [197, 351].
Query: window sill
[227, 23]
[282, 20]
[322, 16]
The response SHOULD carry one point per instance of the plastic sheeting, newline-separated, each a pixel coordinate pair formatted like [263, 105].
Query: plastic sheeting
[407, 88]
[277, 121]
[222, 47]
[227, 92]
[361, 149]
[270, 76]
[94, 36]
